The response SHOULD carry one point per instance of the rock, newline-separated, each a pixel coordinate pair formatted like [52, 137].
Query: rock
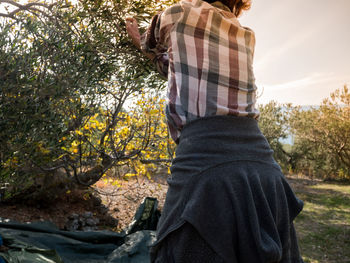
[90, 222]
[73, 216]
[72, 225]
[96, 201]
[88, 215]
[89, 228]
[111, 221]
[103, 210]
[84, 222]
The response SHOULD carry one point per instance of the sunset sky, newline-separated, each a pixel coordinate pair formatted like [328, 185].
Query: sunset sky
[303, 48]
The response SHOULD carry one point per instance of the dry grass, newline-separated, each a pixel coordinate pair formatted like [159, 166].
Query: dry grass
[324, 225]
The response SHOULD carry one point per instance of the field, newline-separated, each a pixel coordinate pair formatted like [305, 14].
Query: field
[324, 225]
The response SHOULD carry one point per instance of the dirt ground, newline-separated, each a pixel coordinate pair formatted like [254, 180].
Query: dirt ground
[117, 201]
[123, 200]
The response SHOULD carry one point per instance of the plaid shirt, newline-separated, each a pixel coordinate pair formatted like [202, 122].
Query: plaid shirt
[207, 57]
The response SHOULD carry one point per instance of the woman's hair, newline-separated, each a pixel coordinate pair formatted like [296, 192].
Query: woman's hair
[236, 6]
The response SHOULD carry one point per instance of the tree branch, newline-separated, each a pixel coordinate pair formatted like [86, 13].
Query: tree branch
[31, 7]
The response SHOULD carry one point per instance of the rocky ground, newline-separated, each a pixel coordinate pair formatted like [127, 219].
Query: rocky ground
[110, 205]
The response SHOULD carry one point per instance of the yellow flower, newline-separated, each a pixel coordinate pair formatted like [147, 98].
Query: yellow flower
[129, 175]
[153, 112]
[45, 151]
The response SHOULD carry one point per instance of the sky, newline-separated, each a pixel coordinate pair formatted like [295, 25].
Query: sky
[302, 51]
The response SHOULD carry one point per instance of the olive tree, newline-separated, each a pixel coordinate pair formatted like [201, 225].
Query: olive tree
[66, 74]
[273, 123]
[323, 136]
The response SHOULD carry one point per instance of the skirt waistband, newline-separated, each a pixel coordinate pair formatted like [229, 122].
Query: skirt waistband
[213, 140]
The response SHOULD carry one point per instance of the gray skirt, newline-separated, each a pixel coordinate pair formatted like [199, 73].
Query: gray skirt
[225, 183]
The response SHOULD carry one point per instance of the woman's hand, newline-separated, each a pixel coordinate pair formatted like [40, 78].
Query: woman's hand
[133, 31]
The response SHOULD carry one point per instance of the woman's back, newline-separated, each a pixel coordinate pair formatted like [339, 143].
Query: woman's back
[210, 62]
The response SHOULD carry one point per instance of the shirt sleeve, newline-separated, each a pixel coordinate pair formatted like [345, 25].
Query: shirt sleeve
[150, 44]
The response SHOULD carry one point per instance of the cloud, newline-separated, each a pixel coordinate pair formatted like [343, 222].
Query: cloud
[286, 92]
[309, 90]
[315, 78]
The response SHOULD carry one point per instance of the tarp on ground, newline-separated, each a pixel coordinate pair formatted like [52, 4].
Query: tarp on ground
[43, 242]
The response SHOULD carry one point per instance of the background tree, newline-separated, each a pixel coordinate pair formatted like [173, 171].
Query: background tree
[67, 73]
[273, 123]
[322, 136]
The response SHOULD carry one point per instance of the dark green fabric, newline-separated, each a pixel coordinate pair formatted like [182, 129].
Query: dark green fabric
[21, 252]
[44, 242]
[146, 216]
[135, 249]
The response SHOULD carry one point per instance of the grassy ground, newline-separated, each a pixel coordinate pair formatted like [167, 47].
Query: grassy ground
[324, 225]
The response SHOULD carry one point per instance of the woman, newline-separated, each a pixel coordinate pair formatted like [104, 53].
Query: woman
[227, 200]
